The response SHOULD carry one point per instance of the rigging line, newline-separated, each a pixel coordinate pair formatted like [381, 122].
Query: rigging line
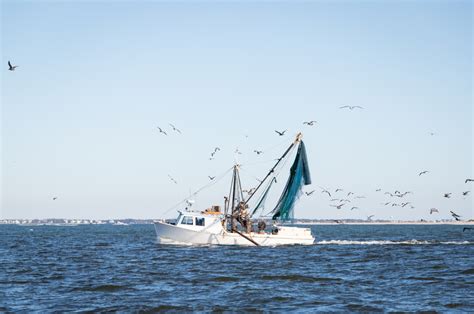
[266, 150]
[259, 162]
[218, 178]
[278, 173]
[213, 182]
[284, 163]
[275, 146]
[277, 170]
[270, 147]
[249, 174]
[288, 150]
[267, 214]
[254, 187]
[263, 197]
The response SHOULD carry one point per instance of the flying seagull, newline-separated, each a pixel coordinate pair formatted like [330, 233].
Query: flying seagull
[433, 210]
[423, 172]
[55, 198]
[326, 191]
[349, 193]
[215, 151]
[258, 152]
[338, 206]
[370, 217]
[354, 208]
[309, 193]
[337, 190]
[161, 130]
[378, 190]
[11, 67]
[469, 180]
[281, 133]
[455, 216]
[310, 123]
[172, 179]
[447, 195]
[175, 128]
[351, 107]
[249, 191]
[405, 204]
[465, 193]
[211, 178]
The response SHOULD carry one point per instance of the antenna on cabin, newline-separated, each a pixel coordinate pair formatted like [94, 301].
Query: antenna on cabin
[189, 204]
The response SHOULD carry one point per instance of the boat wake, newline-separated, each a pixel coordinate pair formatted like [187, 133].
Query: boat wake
[388, 242]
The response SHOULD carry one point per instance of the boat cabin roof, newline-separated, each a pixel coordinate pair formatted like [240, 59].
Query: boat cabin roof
[200, 214]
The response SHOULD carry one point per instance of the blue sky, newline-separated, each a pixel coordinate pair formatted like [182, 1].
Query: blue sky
[79, 115]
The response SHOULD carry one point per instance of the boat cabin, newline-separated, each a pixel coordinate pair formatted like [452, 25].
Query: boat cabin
[197, 221]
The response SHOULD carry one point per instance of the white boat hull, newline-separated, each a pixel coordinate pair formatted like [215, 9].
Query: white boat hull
[172, 234]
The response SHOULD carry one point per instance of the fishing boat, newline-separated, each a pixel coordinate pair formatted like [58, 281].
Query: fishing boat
[234, 224]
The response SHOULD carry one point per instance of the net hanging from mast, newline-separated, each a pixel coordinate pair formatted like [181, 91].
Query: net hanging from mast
[299, 176]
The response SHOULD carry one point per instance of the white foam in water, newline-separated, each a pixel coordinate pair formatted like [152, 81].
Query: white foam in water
[455, 242]
[386, 242]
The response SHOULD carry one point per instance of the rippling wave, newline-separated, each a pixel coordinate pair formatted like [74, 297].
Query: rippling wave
[383, 242]
[349, 269]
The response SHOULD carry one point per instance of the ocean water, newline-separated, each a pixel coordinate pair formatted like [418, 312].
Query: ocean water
[351, 268]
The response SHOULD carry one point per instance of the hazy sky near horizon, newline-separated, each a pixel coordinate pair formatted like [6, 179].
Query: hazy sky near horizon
[96, 78]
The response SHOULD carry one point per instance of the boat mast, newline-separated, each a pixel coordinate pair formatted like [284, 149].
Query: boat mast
[297, 140]
[237, 198]
[227, 200]
[232, 211]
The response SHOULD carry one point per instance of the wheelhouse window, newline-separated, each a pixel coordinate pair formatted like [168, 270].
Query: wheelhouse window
[187, 220]
[200, 221]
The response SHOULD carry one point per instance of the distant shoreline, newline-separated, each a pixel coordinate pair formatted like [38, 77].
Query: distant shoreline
[130, 221]
[388, 223]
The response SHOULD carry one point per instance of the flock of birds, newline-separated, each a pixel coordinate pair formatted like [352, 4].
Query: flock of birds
[172, 126]
[237, 151]
[338, 203]
[344, 199]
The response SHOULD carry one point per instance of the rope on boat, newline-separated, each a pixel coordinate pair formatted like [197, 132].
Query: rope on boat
[217, 179]
[277, 172]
